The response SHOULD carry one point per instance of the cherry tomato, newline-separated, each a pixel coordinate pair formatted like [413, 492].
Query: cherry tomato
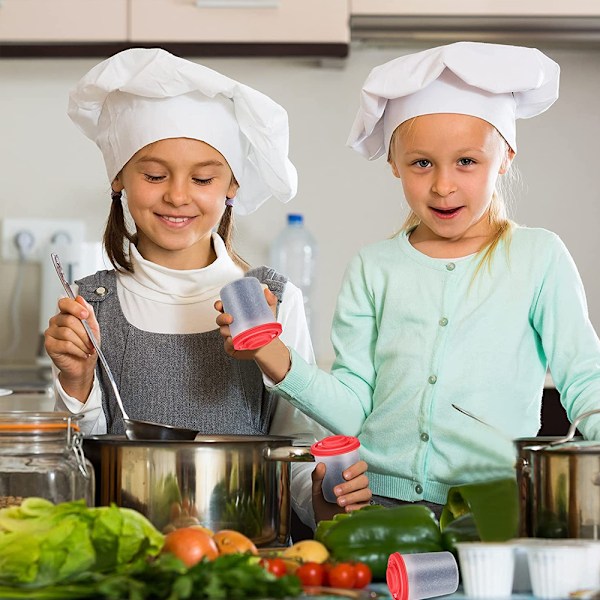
[343, 575]
[190, 545]
[275, 566]
[363, 575]
[310, 573]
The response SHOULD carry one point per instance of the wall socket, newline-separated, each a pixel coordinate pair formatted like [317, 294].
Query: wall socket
[43, 233]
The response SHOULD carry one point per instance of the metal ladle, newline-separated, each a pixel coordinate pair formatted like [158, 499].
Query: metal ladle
[134, 430]
[567, 438]
[476, 418]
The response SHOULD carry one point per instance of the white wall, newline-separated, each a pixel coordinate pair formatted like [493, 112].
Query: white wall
[48, 169]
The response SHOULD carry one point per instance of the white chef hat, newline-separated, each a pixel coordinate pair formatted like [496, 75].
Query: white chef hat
[495, 82]
[140, 96]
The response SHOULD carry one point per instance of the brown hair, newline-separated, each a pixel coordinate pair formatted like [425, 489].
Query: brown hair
[117, 237]
[497, 212]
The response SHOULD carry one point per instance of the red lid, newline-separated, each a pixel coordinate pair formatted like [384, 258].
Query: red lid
[256, 337]
[397, 577]
[335, 444]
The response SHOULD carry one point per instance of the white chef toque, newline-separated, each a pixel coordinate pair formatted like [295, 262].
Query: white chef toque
[140, 96]
[495, 82]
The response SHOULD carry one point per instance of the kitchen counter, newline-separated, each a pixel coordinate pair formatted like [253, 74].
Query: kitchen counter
[31, 387]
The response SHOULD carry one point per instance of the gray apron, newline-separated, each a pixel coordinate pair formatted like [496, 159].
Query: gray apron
[185, 380]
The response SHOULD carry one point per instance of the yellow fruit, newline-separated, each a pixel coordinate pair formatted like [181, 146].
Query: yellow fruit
[233, 542]
[307, 551]
[291, 564]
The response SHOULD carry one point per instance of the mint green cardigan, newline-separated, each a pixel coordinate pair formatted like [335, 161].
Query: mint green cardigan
[414, 334]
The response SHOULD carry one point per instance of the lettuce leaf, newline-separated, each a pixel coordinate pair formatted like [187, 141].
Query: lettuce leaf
[43, 544]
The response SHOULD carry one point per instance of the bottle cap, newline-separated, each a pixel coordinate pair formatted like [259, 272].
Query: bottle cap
[335, 444]
[396, 577]
[257, 337]
[295, 218]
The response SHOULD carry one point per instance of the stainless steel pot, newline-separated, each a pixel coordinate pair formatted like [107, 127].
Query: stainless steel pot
[559, 485]
[220, 482]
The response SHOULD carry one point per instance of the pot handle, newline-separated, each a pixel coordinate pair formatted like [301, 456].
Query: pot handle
[573, 428]
[288, 454]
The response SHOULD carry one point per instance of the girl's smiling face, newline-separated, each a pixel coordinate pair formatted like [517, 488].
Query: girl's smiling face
[448, 164]
[176, 191]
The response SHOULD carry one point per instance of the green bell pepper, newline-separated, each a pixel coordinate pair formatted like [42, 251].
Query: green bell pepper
[462, 529]
[493, 505]
[371, 534]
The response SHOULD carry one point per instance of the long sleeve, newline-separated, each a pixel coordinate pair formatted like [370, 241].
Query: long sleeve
[560, 316]
[342, 400]
[288, 420]
[93, 420]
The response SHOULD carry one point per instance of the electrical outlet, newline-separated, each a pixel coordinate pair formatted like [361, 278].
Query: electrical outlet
[44, 232]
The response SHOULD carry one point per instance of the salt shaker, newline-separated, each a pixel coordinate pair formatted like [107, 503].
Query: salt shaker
[253, 324]
[338, 452]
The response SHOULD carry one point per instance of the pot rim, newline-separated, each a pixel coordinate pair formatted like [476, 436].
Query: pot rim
[115, 440]
[574, 447]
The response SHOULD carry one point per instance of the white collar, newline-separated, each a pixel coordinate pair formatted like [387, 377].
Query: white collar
[172, 286]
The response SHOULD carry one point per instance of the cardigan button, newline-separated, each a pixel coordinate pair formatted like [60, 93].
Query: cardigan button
[419, 489]
[424, 437]
[450, 266]
[101, 291]
[443, 322]
[432, 379]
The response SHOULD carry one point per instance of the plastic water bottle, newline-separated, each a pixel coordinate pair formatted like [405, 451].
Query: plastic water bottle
[293, 254]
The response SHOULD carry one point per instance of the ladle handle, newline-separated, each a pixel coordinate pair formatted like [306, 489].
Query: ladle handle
[88, 330]
[288, 454]
[573, 427]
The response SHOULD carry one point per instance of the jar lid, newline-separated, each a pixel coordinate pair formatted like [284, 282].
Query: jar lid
[396, 577]
[335, 444]
[256, 337]
[33, 422]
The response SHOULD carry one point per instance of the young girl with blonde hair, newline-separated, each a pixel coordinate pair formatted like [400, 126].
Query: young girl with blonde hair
[463, 306]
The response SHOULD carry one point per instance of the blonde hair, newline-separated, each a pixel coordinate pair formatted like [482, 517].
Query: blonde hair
[497, 214]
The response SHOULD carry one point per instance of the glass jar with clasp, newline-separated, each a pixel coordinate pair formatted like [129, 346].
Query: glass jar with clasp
[41, 455]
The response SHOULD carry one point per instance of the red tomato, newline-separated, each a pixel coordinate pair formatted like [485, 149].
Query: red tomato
[363, 575]
[274, 565]
[190, 545]
[343, 576]
[310, 573]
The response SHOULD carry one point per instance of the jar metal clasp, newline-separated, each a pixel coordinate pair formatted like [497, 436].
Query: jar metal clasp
[75, 443]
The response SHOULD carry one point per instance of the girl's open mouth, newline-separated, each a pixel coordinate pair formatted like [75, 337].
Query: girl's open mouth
[446, 213]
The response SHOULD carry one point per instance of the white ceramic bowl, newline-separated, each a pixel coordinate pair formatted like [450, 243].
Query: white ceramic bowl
[486, 568]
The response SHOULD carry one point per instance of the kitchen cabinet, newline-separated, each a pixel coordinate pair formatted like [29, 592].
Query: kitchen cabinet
[307, 21]
[40, 21]
[46, 28]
